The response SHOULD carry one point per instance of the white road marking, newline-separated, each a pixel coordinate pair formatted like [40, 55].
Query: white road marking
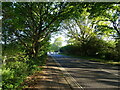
[74, 83]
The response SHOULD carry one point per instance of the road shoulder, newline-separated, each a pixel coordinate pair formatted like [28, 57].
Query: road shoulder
[51, 77]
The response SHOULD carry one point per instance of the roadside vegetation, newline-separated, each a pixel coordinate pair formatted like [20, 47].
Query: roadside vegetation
[56, 45]
[92, 29]
[102, 51]
[96, 36]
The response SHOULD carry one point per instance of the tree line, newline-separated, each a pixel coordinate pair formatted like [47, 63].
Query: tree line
[94, 34]
[27, 28]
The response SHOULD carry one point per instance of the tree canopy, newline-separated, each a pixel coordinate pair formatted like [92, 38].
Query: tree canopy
[30, 23]
[27, 29]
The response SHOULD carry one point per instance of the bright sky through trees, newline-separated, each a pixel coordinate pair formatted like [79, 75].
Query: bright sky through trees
[29, 27]
[62, 36]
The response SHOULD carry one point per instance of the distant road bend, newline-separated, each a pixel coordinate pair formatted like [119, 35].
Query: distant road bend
[85, 74]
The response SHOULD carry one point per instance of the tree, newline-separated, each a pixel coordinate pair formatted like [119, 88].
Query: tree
[108, 13]
[58, 41]
[55, 46]
[31, 23]
[84, 34]
[79, 29]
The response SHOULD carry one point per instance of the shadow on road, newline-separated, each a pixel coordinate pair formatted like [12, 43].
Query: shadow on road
[90, 73]
[50, 78]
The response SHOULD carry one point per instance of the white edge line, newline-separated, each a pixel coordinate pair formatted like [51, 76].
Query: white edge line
[78, 86]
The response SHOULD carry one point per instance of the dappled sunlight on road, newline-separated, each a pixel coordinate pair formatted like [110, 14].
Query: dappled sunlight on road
[90, 74]
[50, 78]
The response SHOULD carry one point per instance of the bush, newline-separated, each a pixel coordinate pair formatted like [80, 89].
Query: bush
[16, 69]
[95, 47]
[70, 49]
[13, 74]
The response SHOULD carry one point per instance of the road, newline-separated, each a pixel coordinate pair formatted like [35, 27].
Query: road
[89, 74]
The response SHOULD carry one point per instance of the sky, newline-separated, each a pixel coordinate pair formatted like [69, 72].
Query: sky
[1, 17]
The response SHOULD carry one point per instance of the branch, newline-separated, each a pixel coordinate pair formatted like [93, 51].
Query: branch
[114, 25]
[19, 38]
[55, 18]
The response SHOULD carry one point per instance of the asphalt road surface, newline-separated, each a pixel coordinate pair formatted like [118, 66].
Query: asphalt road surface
[90, 74]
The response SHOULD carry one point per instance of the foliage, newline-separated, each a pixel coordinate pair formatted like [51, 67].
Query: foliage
[58, 41]
[13, 74]
[12, 49]
[89, 32]
[117, 49]
[27, 28]
[70, 49]
[16, 69]
[33, 25]
[108, 14]
[55, 46]
[94, 48]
